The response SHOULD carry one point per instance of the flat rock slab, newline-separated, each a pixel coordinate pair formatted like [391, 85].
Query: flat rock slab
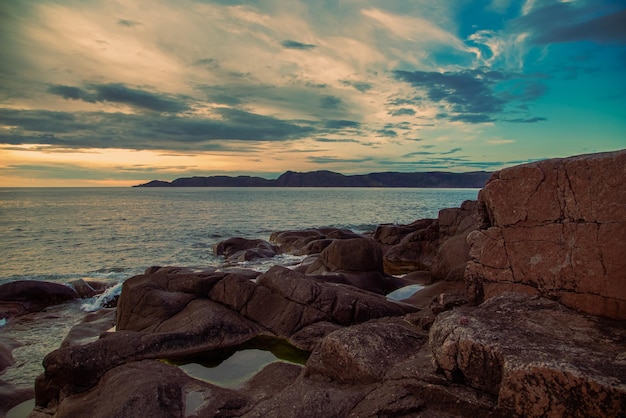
[538, 357]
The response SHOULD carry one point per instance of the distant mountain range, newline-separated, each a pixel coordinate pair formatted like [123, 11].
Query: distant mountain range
[475, 179]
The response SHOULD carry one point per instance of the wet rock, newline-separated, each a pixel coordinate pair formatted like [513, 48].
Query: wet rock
[90, 329]
[202, 326]
[536, 356]
[25, 296]
[6, 347]
[87, 288]
[242, 249]
[555, 228]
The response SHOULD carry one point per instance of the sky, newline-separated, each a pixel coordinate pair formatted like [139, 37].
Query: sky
[117, 93]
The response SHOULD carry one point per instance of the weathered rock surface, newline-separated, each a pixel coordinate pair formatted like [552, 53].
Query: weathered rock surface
[556, 228]
[151, 298]
[364, 353]
[539, 358]
[435, 245]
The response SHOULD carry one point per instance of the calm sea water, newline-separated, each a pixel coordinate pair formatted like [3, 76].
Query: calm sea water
[62, 234]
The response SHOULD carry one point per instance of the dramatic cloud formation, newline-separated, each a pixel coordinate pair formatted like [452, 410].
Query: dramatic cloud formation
[101, 93]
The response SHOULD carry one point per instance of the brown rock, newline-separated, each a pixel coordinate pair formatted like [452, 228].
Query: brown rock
[415, 251]
[308, 398]
[6, 348]
[90, 329]
[12, 395]
[349, 255]
[33, 295]
[364, 353]
[149, 299]
[232, 246]
[537, 357]
[557, 228]
[154, 389]
[392, 234]
[309, 241]
[286, 301]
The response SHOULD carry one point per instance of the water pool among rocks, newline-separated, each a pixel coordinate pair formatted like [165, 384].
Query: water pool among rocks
[231, 368]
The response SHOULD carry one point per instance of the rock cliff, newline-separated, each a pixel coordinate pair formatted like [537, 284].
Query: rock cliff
[555, 228]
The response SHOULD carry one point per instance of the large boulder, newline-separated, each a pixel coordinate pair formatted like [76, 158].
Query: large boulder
[285, 301]
[309, 241]
[539, 358]
[151, 389]
[364, 353]
[25, 296]
[242, 249]
[151, 298]
[354, 261]
[556, 228]
[415, 251]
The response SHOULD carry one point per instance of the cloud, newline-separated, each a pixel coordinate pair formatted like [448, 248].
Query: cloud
[128, 23]
[119, 93]
[563, 22]
[468, 91]
[330, 102]
[604, 29]
[526, 120]
[336, 160]
[473, 96]
[342, 124]
[402, 112]
[387, 132]
[144, 131]
[359, 85]
[422, 153]
[334, 140]
[289, 44]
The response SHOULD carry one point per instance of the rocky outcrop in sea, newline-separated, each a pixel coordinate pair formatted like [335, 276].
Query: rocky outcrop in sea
[519, 312]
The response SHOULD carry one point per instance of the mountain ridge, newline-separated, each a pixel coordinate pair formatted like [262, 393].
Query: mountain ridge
[325, 178]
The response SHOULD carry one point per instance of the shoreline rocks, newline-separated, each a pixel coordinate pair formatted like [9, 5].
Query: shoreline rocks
[554, 229]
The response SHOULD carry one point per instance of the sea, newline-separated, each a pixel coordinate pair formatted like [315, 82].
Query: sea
[111, 234]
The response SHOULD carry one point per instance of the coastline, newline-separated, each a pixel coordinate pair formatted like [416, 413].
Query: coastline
[489, 288]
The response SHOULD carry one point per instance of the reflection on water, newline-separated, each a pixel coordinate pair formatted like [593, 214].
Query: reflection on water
[404, 292]
[21, 410]
[233, 367]
[234, 370]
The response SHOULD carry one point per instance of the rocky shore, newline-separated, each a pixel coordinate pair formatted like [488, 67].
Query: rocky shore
[519, 311]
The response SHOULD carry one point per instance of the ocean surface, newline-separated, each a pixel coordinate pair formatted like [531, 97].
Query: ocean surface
[64, 234]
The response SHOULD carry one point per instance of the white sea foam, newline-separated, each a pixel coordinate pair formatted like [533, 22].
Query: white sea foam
[99, 301]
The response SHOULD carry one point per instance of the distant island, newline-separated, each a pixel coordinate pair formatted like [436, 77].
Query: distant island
[433, 179]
